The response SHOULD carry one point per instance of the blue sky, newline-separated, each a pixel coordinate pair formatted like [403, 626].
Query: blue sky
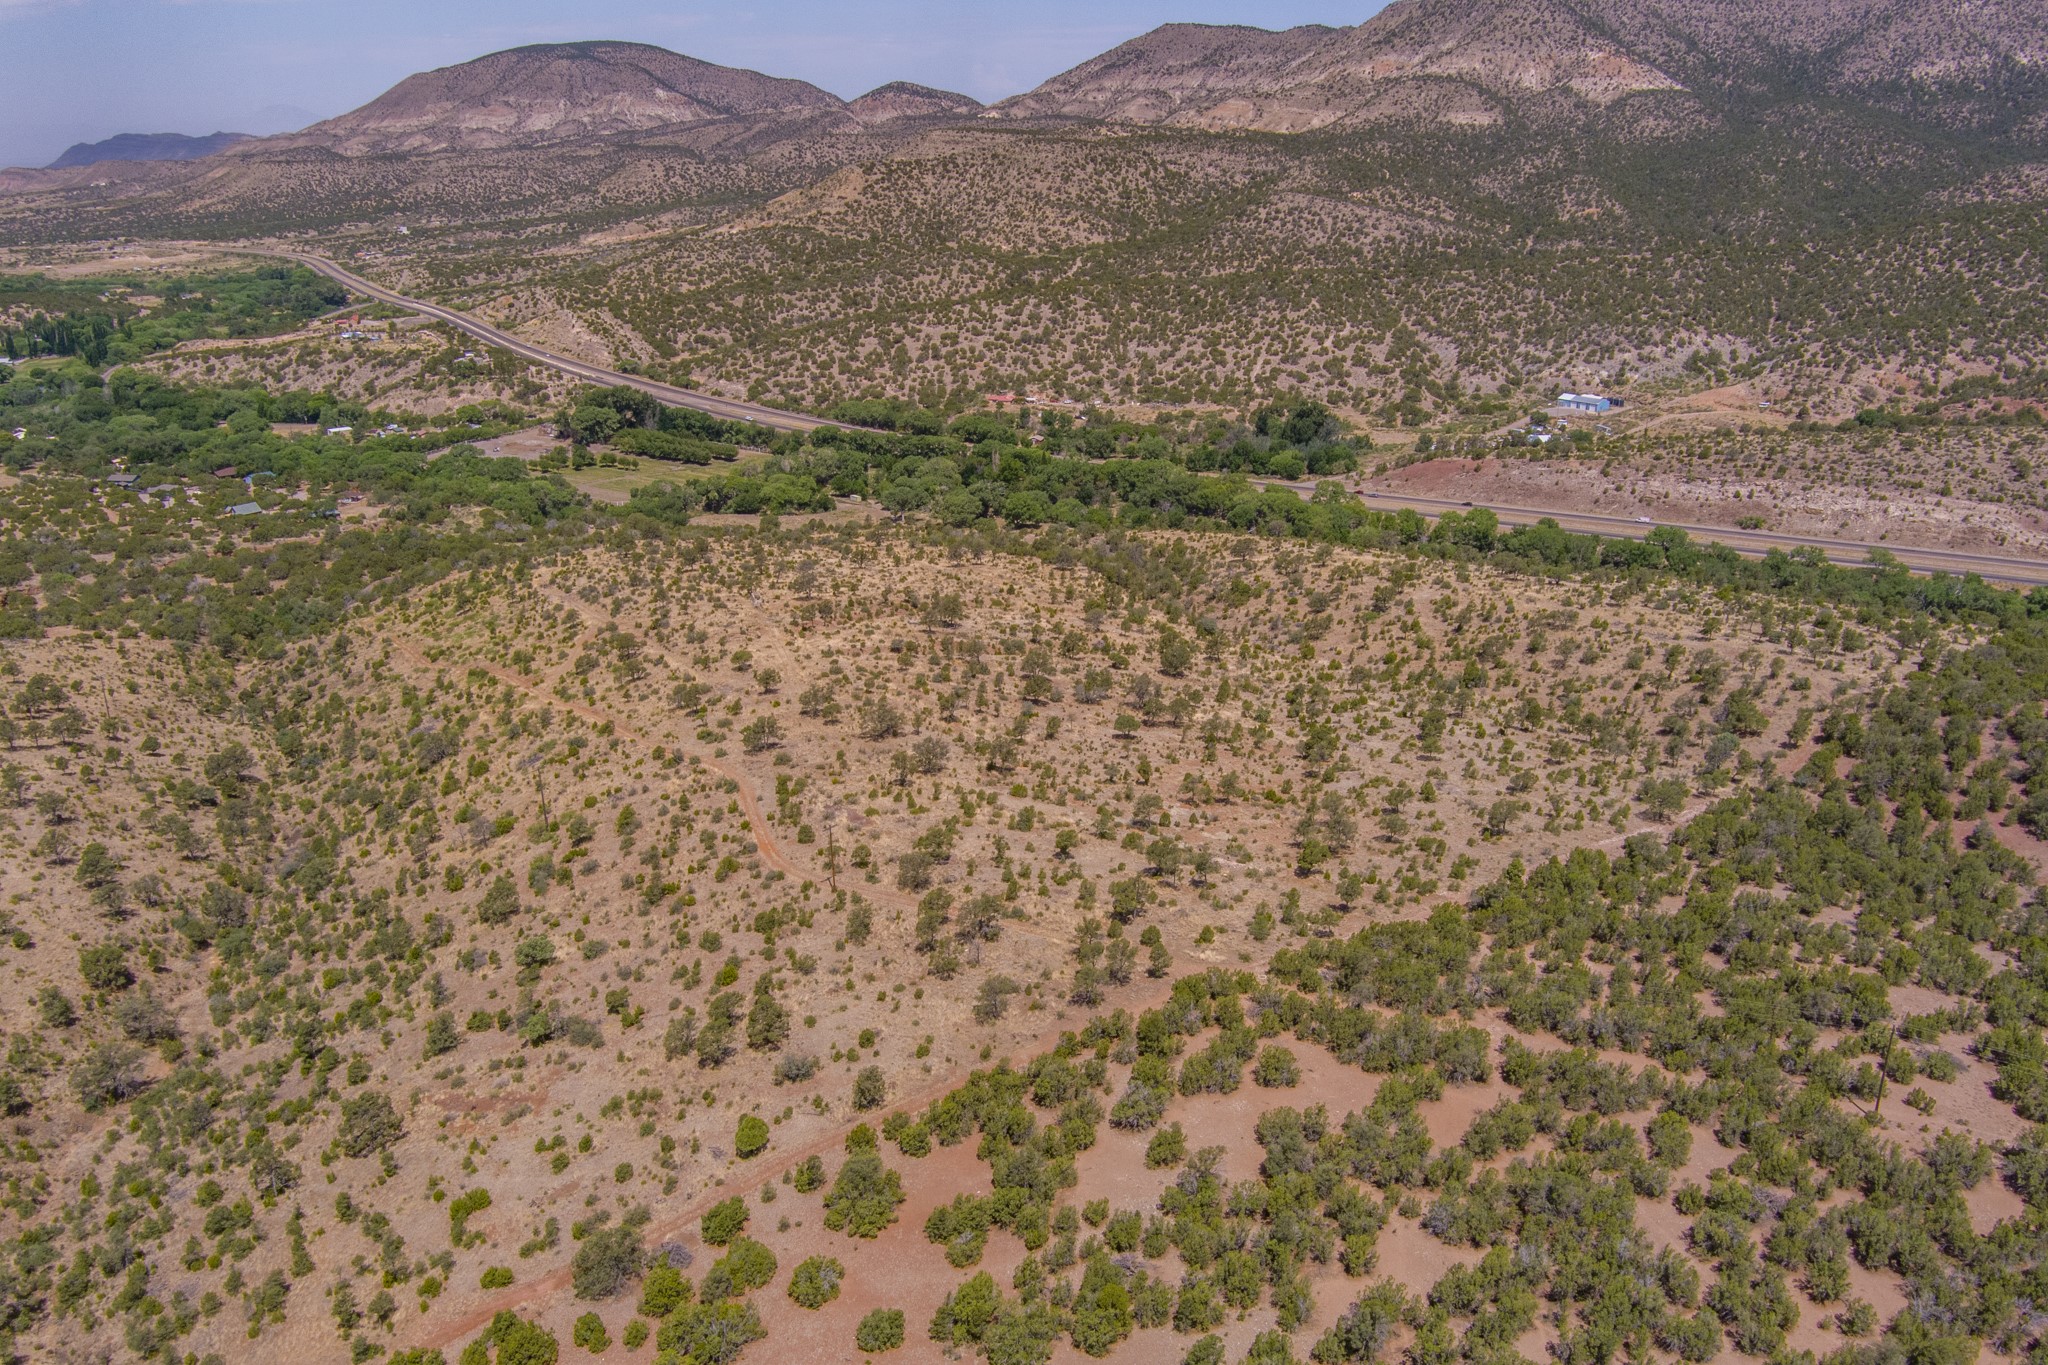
[81, 70]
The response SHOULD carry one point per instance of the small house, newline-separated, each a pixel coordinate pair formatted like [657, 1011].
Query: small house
[245, 509]
[1585, 402]
[123, 480]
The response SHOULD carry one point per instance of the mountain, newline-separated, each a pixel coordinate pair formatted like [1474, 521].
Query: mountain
[1966, 64]
[1458, 60]
[1176, 74]
[1448, 208]
[555, 92]
[1980, 63]
[906, 99]
[146, 147]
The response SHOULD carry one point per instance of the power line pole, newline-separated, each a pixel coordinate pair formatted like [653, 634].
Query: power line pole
[1883, 1060]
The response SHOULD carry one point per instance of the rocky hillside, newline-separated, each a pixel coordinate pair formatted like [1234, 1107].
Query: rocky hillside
[1964, 63]
[532, 96]
[1974, 54]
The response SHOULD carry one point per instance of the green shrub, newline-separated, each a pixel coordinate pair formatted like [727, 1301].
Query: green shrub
[751, 1139]
[709, 1333]
[724, 1221]
[746, 1265]
[1168, 1147]
[459, 1211]
[962, 1228]
[964, 1317]
[881, 1330]
[496, 1277]
[816, 1281]
[589, 1333]
[518, 1342]
[863, 1199]
[1670, 1138]
[104, 967]
[663, 1291]
[870, 1088]
[369, 1124]
[1276, 1068]
[606, 1262]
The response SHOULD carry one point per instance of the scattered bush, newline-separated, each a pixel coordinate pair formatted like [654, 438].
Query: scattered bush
[863, 1199]
[606, 1261]
[881, 1330]
[724, 1221]
[870, 1089]
[746, 1266]
[663, 1291]
[816, 1280]
[589, 1333]
[369, 1124]
[751, 1138]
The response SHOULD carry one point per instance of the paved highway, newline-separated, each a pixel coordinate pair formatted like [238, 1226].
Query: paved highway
[1754, 544]
[728, 409]
[2023, 572]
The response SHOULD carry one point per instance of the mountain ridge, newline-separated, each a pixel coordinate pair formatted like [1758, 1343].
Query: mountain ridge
[146, 147]
[908, 99]
[1960, 63]
[555, 92]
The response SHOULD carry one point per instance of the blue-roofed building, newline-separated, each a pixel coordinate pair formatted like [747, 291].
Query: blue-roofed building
[1585, 402]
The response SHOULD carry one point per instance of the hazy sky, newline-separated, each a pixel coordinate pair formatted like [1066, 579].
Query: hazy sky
[82, 70]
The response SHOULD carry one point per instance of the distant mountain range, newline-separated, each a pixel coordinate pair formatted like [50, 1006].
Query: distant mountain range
[146, 147]
[1974, 65]
[560, 92]
[1421, 214]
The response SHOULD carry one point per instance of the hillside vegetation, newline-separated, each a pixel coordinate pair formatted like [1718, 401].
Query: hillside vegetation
[503, 927]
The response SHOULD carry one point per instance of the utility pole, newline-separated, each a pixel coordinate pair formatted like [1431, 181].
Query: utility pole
[1891, 1041]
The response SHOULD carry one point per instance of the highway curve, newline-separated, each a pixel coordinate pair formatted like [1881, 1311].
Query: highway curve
[728, 409]
[1755, 544]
